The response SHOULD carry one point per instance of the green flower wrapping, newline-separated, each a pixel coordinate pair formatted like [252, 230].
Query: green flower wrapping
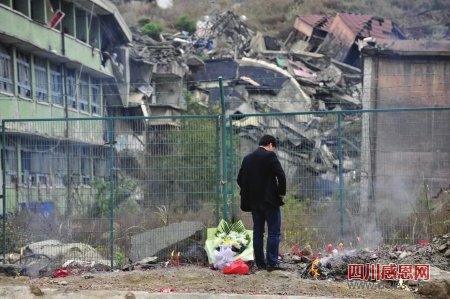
[232, 235]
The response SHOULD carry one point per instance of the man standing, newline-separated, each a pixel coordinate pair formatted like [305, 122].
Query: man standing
[263, 185]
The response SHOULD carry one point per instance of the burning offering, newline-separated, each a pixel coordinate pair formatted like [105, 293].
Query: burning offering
[315, 268]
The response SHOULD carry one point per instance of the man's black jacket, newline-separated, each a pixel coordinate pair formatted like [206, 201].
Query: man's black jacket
[262, 180]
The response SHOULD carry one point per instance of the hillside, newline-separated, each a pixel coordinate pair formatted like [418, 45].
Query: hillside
[419, 19]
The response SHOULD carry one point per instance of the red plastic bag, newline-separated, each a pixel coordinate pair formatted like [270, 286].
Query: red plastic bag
[61, 273]
[237, 267]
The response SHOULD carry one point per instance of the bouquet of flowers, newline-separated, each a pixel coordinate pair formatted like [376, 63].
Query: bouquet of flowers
[233, 235]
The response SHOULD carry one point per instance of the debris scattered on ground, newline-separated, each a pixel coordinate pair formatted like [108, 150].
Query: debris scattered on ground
[434, 256]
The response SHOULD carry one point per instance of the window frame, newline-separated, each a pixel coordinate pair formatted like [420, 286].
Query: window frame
[83, 99]
[96, 96]
[41, 80]
[71, 89]
[6, 71]
[23, 75]
[56, 88]
[11, 166]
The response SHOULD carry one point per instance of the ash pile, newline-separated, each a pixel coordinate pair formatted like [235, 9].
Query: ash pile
[333, 263]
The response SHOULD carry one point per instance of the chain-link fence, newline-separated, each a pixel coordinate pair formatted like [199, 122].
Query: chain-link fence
[97, 187]
[360, 177]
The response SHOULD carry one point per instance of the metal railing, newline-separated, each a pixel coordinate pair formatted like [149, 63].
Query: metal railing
[103, 181]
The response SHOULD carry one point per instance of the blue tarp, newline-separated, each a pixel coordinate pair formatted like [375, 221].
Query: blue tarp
[45, 208]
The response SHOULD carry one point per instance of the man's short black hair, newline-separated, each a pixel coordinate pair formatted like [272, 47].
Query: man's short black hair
[268, 139]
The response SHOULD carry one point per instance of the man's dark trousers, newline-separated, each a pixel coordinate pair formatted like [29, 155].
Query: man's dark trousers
[273, 217]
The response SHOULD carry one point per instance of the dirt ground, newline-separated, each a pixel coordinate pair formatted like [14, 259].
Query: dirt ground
[196, 279]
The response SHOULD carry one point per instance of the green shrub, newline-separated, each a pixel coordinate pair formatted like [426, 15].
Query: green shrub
[119, 258]
[186, 24]
[152, 29]
[16, 236]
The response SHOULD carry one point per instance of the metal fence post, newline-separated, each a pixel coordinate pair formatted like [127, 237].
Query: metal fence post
[217, 180]
[232, 179]
[341, 179]
[224, 151]
[111, 186]
[4, 191]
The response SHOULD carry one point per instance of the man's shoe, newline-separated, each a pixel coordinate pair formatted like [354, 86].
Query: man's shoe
[261, 267]
[275, 268]
[255, 269]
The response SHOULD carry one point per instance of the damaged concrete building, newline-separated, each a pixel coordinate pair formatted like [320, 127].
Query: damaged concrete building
[263, 76]
[59, 59]
[335, 35]
[327, 82]
[144, 77]
[158, 71]
[405, 153]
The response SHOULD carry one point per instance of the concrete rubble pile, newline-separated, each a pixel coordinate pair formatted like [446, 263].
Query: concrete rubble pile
[329, 83]
[45, 257]
[150, 60]
[222, 35]
[147, 49]
[260, 74]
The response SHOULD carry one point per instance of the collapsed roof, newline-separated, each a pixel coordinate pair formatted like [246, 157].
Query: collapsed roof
[335, 35]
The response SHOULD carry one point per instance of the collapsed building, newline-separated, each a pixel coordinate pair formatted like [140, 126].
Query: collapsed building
[157, 76]
[336, 35]
[145, 77]
[259, 74]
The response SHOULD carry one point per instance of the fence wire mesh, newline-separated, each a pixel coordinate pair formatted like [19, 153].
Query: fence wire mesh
[107, 188]
[360, 177]
[96, 186]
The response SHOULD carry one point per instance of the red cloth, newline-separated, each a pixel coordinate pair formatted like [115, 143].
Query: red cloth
[61, 273]
[237, 267]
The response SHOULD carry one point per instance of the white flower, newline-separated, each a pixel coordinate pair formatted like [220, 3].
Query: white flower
[234, 239]
[237, 245]
[237, 240]
[218, 242]
[222, 235]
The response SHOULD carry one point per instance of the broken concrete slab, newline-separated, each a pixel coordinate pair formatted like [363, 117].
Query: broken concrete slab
[147, 260]
[344, 99]
[438, 286]
[290, 94]
[331, 74]
[61, 251]
[160, 242]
